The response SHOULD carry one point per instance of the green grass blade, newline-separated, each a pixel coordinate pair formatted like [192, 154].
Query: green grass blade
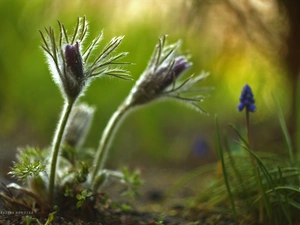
[224, 169]
[234, 168]
[271, 182]
[263, 194]
[294, 203]
[288, 188]
[285, 131]
[288, 213]
[267, 176]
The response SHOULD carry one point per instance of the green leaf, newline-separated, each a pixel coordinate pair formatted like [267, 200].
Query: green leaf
[82, 173]
[133, 182]
[52, 215]
[27, 168]
[82, 197]
[79, 204]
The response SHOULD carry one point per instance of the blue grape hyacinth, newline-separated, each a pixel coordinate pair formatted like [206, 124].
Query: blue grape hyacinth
[247, 100]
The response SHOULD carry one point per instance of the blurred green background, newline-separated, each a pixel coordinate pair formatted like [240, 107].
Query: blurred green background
[238, 42]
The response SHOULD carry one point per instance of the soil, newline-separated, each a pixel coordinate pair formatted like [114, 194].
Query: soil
[109, 208]
[131, 218]
[104, 211]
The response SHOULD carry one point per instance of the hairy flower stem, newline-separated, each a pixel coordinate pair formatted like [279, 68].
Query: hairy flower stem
[57, 143]
[106, 138]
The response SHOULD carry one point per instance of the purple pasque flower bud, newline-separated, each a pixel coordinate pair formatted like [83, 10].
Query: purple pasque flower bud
[165, 66]
[180, 65]
[72, 70]
[73, 79]
[247, 99]
[74, 61]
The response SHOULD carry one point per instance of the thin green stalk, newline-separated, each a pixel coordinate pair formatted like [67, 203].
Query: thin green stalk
[286, 201]
[248, 136]
[261, 210]
[297, 120]
[57, 143]
[264, 199]
[285, 131]
[234, 167]
[106, 138]
[224, 169]
[269, 181]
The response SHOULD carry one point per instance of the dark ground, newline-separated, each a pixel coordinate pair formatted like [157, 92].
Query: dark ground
[152, 207]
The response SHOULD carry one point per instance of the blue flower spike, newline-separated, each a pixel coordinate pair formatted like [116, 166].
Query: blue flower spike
[247, 100]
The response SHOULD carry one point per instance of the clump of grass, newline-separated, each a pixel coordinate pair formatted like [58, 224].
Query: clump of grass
[261, 188]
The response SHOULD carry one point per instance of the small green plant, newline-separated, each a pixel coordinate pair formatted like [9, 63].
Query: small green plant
[82, 197]
[27, 167]
[30, 219]
[63, 174]
[262, 188]
[51, 217]
[125, 207]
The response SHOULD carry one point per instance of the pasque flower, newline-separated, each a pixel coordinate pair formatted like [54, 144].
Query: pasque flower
[159, 79]
[70, 65]
[72, 71]
[247, 100]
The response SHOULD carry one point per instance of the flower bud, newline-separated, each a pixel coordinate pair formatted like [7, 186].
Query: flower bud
[73, 75]
[180, 65]
[166, 65]
[247, 100]
[71, 69]
[74, 61]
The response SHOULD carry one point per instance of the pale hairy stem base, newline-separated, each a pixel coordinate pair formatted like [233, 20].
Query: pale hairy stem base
[106, 138]
[57, 144]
